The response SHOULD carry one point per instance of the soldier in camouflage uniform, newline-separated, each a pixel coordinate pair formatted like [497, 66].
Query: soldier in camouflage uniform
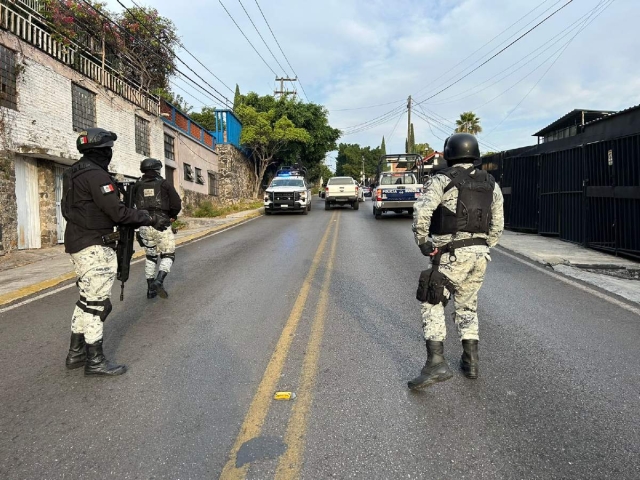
[155, 194]
[462, 209]
[92, 208]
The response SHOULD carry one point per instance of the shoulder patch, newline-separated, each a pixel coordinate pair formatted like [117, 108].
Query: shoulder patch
[107, 189]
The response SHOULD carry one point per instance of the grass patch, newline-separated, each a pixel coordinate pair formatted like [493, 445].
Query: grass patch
[209, 210]
[179, 225]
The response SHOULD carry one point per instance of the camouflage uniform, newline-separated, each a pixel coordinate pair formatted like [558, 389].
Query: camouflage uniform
[468, 269]
[157, 243]
[95, 268]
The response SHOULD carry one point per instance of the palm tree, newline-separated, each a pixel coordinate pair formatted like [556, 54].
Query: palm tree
[468, 123]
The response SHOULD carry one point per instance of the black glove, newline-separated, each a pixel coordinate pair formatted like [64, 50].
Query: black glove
[160, 222]
[427, 249]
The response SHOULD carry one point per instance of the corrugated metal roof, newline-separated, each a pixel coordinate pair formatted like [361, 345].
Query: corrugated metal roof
[626, 110]
[573, 113]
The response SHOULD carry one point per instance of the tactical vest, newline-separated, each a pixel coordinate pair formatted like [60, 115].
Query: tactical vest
[84, 213]
[149, 194]
[473, 210]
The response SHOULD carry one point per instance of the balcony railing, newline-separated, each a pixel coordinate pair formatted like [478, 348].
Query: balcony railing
[228, 128]
[17, 20]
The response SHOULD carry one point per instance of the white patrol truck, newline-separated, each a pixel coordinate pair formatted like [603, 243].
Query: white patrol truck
[288, 191]
[397, 189]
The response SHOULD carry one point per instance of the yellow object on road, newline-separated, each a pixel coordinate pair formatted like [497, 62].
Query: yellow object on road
[284, 396]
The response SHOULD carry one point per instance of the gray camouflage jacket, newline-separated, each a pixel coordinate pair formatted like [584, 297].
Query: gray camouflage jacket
[433, 195]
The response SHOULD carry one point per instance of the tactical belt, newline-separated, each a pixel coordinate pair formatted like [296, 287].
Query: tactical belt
[451, 247]
[84, 304]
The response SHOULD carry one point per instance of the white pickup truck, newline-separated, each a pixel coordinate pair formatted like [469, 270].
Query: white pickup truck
[396, 192]
[340, 191]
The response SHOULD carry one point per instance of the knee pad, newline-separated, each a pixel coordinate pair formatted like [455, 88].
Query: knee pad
[172, 256]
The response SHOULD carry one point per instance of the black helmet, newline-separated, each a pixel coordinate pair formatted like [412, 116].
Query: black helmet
[460, 147]
[150, 164]
[95, 138]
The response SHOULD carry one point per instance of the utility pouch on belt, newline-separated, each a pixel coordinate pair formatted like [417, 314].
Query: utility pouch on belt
[432, 284]
[111, 237]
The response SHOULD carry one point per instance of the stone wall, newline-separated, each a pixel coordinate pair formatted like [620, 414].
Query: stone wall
[235, 175]
[192, 200]
[8, 206]
[46, 191]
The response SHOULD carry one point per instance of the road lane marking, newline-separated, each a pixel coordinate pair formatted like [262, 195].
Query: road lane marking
[290, 462]
[72, 275]
[579, 286]
[257, 413]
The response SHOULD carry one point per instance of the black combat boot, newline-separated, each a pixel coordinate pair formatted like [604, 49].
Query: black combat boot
[435, 370]
[469, 359]
[157, 283]
[97, 364]
[151, 288]
[77, 354]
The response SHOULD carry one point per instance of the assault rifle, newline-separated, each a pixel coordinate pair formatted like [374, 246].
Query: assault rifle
[124, 250]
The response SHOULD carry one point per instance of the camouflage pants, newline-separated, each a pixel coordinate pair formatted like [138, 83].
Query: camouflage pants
[95, 268]
[157, 243]
[467, 275]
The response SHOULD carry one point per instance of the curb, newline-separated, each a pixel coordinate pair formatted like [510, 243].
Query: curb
[11, 297]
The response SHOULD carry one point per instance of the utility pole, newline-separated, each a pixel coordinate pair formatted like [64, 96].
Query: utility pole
[282, 92]
[408, 124]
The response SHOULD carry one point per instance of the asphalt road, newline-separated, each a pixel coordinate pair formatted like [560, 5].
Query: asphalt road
[322, 305]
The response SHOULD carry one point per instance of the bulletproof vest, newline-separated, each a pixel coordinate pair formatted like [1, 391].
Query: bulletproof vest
[81, 211]
[473, 210]
[149, 194]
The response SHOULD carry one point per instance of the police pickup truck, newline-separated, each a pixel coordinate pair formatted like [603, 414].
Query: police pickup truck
[397, 189]
[288, 191]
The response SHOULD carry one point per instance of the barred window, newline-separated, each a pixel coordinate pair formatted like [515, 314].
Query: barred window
[142, 136]
[213, 184]
[169, 152]
[8, 90]
[199, 177]
[188, 172]
[83, 106]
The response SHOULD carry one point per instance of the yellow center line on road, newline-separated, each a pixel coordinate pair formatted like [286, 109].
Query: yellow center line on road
[290, 463]
[254, 420]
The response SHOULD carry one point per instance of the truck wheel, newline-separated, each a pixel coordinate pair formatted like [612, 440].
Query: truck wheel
[327, 206]
[309, 207]
[267, 212]
[305, 211]
[356, 205]
[377, 213]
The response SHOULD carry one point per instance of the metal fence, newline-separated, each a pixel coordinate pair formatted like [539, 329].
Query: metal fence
[588, 194]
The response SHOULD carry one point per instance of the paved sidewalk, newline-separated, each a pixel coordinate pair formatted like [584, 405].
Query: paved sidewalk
[24, 273]
[613, 274]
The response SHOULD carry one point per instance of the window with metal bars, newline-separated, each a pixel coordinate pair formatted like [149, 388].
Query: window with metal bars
[8, 74]
[213, 184]
[188, 172]
[199, 177]
[169, 147]
[142, 136]
[83, 106]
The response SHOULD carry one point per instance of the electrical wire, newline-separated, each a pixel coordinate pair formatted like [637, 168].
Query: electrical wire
[262, 38]
[369, 106]
[247, 39]
[195, 58]
[494, 55]
[282, 51]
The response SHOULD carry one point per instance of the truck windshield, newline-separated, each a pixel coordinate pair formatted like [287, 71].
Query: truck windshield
[287, 182]
[400, 179]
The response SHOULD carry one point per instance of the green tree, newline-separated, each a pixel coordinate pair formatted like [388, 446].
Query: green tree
[267, 135]
[412, 141]
[468, 123]
[423, 149]
[237, 98]
[383, 147]
[174, 99]
[350, 158]
[206, 117]
[315, 173]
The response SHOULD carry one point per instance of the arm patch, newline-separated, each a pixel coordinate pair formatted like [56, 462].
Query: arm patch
[107, 189]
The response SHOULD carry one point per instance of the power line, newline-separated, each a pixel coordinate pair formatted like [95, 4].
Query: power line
[586, 23]
[261, 38]
[369, 106]
[196, 59]
[282, 51]
[392, 111]
[226, 100]
[494, 55]
[247, 39]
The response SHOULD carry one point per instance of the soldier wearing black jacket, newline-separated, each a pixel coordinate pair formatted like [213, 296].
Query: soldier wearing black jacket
[155, 194]
[91, 205]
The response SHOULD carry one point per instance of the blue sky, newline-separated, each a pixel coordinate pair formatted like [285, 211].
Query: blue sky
[351, 54]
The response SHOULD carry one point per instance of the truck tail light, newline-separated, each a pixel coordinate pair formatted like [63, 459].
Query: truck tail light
[379, 194]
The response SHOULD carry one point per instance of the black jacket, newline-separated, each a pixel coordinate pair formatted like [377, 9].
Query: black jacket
[92, 206]
[171, 202]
